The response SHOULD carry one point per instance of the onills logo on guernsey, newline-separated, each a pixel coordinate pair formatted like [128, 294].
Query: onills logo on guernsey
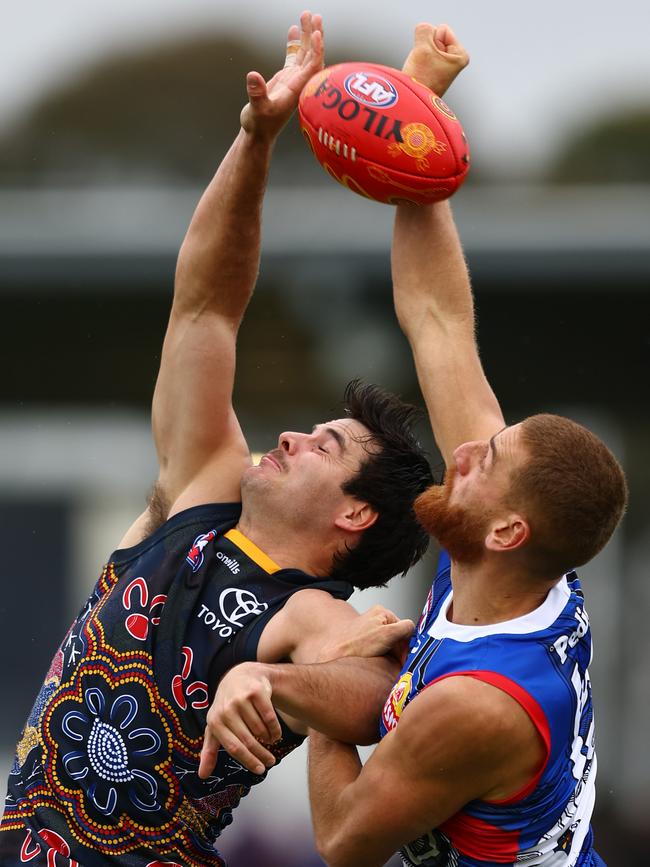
[396, 701]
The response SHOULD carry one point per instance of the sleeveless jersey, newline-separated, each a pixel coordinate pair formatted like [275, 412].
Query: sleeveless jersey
[106, 769]
[540, 660]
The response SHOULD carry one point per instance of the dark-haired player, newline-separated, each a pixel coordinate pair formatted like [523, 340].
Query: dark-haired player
[230, 562]
[487, 756]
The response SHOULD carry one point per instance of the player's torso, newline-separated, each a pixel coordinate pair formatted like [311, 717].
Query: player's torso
[540, 660]
[108, 759]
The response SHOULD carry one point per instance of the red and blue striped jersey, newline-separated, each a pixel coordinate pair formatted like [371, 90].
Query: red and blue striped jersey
[541, 660]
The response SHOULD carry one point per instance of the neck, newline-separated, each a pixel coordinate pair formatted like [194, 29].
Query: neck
[490, 592]
[288, 549]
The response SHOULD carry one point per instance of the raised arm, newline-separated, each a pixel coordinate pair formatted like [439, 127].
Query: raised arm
[198, 439]
[433, 298]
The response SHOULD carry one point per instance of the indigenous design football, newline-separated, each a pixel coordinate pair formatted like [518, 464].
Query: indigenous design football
[383, 134]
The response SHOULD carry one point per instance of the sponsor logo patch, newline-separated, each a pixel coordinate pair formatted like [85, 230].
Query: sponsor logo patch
[396, 701]
[237, 605]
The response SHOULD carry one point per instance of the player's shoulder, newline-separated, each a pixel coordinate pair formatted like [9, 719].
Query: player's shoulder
[186, 532]
[309, 619]
[313, 605]
[464, 710]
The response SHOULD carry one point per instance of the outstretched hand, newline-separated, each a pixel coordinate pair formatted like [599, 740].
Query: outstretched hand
[271, 104]
[436, 57]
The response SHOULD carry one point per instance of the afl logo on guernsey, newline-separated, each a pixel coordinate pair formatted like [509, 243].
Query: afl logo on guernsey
[195, 555]
[396, 701]
[371, 89]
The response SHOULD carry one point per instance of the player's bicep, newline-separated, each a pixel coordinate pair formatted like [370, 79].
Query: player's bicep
[435, 761]
[192, 415]
[310, 624]
[394, 800]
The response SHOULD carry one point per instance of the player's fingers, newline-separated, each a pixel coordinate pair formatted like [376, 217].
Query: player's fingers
[446, 41]
[424, 34]
[312, 63]
[255, 717]
[383, 614]
[241, 745]
[306, 29]
[400, 630]
[209, 753]
[269, 719]
[293, 46]
[256, 88]
[314, 57]
[317, 23]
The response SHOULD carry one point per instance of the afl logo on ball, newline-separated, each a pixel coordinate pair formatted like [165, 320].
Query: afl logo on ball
[371, 89]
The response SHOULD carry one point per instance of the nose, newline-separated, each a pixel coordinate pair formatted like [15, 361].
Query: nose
[291, 441]
[466, 455]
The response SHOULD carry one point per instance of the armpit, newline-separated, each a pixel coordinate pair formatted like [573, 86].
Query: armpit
[158, 509]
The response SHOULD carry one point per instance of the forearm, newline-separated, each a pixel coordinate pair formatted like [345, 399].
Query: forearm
[435, 308]
[333, 767]
[219, 259]
[342, 698]
[430, 277]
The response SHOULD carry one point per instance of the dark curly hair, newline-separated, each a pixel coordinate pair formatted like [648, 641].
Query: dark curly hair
[392, 475]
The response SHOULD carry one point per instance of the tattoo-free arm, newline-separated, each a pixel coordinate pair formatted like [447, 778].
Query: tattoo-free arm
[343, 698]
[435, 308]
[433, 299]
[197, 435]
[458, 740]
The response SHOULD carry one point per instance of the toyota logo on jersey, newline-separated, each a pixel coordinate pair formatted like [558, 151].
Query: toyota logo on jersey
[371, 89]
[237, 605]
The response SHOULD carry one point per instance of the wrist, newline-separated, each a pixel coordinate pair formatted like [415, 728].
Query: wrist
[256, 140]
[330, 652]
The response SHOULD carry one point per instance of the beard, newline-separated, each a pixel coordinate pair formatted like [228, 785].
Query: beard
[458, 531]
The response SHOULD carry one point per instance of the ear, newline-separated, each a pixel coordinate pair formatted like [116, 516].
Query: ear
[508, 534]
[357, 517]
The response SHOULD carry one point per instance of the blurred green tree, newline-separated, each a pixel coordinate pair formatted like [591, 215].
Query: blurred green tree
[614, 149]
[164, 112]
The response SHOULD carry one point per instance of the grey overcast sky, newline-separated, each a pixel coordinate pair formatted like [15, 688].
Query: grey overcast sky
[538, 69]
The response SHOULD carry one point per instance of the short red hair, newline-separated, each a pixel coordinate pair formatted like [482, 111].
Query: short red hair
[573, 490]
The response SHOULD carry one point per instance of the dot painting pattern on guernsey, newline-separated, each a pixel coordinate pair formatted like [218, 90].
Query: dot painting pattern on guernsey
[109, 741]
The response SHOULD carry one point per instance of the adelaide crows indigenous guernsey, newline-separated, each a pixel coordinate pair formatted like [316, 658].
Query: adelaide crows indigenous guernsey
[106, 769]
[540, 660]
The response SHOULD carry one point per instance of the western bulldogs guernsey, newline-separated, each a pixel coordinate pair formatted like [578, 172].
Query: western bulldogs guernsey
[541, 660]
[106, 769]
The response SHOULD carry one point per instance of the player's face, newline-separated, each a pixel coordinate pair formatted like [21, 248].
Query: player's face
[483, 468]
[304, 475]
[459, 512]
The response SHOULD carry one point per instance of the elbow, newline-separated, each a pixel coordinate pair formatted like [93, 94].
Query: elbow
[333, 852]
[368, 736]
[343, 847]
